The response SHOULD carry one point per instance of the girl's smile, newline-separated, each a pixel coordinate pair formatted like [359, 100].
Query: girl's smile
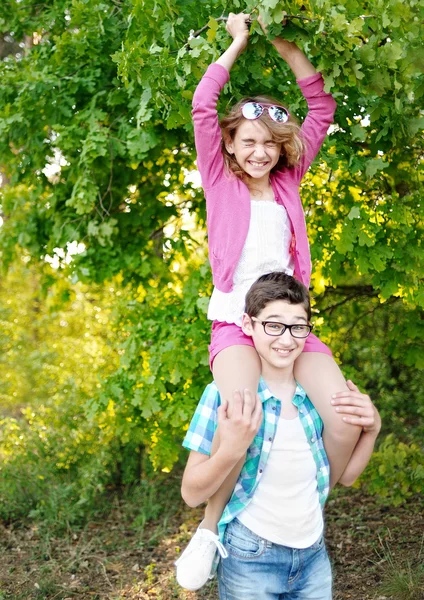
[254, 149]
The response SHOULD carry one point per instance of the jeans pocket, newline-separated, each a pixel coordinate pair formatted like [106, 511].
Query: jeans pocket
[319, 544]
[243, 543]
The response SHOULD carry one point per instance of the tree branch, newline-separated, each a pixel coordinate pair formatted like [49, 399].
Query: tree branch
[223, 19]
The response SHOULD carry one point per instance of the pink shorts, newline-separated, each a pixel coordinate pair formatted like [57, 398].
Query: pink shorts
[230, 334]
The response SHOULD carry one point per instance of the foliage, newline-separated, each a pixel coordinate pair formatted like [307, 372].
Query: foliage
[380, 347]
[54, 347]
[395, 472]
[55, 337]
[94, 85]
[96, 149]
[163, 368]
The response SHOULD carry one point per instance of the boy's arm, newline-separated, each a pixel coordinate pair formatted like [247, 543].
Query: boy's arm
[204, 475]
[358, 410]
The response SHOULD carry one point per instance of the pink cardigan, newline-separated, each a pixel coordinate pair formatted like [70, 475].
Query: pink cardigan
[228, 198]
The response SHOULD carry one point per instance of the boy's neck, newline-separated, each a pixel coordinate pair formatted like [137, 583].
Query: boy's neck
[278, 380]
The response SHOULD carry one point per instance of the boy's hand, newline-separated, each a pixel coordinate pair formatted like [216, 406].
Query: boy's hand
[237, 27]
[238, 429]
[358, 409]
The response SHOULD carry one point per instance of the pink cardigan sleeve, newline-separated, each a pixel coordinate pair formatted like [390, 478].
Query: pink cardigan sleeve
[207, 133]
[321, 108]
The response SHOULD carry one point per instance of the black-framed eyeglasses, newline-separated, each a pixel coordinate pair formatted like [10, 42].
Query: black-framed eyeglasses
[297, 330]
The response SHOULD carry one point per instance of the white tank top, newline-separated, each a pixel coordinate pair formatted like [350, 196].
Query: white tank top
[266, 249]
[285, 507]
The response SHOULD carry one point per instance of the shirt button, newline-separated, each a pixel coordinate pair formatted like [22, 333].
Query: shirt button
[303, 272]
[270, 439]
[313, 439]
[274, 408]
[260, 470]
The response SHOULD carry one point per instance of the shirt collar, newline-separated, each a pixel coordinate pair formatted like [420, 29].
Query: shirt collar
[265, 393]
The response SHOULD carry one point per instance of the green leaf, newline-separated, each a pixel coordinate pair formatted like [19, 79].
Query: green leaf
[357, 70]
[364, 239]
[269, 4]
[367, 54]
[415, 125]
[140, 141]
[329, 83]
[354, 213]
[144, 113]
[374, 165]
[359, 133]
[345, 243]
[391, 53]
[203, 304]
[380, 81]
[212, 29]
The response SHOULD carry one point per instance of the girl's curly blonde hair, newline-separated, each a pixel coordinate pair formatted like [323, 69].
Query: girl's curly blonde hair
[287, 134]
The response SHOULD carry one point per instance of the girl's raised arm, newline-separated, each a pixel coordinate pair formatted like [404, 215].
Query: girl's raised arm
[207, 132]
[321, 105]
[292, 55]
[237, 27]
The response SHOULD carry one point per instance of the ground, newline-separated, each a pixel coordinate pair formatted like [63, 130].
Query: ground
[110, 560]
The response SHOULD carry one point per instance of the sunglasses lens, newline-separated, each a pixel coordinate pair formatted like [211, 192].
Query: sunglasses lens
[252, 110]
[278, 114]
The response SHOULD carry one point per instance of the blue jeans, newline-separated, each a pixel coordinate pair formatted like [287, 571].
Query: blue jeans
[257, 569]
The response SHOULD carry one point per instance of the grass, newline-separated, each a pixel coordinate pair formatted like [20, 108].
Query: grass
[128, 552]
[403, 578]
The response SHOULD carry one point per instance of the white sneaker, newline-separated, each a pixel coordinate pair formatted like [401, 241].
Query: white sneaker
[194, 567]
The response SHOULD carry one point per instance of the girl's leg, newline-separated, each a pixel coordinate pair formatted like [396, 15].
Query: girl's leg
[234, 368]
[320, 377]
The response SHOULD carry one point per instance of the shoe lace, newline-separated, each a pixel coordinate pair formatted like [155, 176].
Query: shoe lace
[221, 548]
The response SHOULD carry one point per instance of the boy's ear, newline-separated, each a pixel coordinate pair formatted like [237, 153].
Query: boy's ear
[247, 325]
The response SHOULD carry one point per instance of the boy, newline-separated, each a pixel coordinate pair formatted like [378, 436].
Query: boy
[271, 531]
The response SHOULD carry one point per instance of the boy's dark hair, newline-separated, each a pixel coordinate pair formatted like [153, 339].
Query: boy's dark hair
[276, 286]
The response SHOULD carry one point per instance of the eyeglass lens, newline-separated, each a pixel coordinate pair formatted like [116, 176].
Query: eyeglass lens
[278, 114]
[299, 331]
[253, 110]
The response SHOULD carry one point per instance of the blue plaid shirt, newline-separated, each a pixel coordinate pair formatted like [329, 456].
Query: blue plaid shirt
[204, 423]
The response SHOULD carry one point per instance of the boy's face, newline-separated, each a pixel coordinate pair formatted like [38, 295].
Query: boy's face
[281, 351]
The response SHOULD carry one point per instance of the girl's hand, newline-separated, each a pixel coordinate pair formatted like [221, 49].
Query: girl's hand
[358, 409]
[239, 427]
[237, 27]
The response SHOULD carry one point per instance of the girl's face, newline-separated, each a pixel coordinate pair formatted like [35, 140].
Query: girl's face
[254, 149]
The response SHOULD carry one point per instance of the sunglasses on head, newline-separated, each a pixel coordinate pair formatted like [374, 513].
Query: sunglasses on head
[253, 110]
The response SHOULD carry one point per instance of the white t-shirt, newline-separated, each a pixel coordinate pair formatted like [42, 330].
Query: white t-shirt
[266, 249]
[285, 507]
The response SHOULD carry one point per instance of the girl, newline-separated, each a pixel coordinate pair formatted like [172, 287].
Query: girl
[251, 166]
